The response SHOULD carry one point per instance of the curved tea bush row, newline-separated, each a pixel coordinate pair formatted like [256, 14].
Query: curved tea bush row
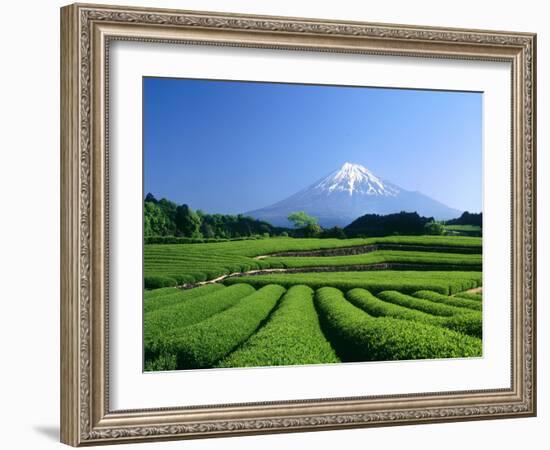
[427, 306]
[459, 319]
[188, 240]
[374, 281]
[174, 296]
[465, 323]
[251, 248]
[381, 256]
[176, 264]
[291, 336]
[161, 292]
[470, 296]
[173, 265]
[469, 323]
[203, 344]
[161, 325]
[166, 271]
[372, 305]
[357, 336]
[452, 301]
[158, 281]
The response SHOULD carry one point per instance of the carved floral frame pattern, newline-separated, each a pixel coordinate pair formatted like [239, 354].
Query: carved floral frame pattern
[85, 416]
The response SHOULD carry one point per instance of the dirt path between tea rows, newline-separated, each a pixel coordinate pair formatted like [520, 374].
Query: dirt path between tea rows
[350, 268]
[477, 290]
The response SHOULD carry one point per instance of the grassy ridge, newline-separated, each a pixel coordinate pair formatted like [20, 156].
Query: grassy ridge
[160, 326]
[419, 313]
[381, 256]
[375, 281]
[452, 301]
[291, 336]
[470, 296]
[357, 336]
[172, 296]
[203, 344]
[282, 244]
[427, 306]
[460, 319]
[161, 292]
[176, 264]
[465, 323]
[463, 227]
[378, 308]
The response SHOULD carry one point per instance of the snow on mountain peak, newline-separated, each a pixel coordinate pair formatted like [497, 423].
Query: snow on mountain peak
[350, 192]
[356, 179]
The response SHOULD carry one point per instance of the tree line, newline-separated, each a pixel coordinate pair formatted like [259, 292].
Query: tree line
[164, 220]
[404, 223]
[467, 218]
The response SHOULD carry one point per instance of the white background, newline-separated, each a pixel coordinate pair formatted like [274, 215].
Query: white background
[132, 389]
[29, 225]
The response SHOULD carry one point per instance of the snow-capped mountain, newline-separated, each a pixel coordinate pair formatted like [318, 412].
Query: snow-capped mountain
[351, 192]
[355, 179]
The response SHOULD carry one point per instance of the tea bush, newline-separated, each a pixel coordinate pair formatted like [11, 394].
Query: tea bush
[291, 336]
[173, 296]
[358, 336]
[464, 323]
[203, 344]
[375, 281]
[452, 301]
[159, 326]
[470, 296]
[427, 306]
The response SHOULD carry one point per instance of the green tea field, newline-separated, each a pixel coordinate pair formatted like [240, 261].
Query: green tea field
[287, 301]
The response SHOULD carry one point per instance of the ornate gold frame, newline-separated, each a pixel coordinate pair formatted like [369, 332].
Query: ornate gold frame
[86, 31]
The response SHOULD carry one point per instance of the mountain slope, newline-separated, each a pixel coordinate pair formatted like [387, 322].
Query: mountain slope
[349, 193]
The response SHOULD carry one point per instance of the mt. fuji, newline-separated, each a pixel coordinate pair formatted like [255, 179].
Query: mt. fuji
[348, 193]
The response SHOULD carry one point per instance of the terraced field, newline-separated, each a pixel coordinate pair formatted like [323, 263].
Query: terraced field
[285, 301]
[180, 264]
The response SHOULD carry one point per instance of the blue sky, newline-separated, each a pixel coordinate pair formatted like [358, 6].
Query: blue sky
[231, 147]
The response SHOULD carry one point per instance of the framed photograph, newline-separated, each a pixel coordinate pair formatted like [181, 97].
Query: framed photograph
[276, 224]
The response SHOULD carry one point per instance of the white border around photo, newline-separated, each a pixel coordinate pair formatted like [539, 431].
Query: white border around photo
[131, 388]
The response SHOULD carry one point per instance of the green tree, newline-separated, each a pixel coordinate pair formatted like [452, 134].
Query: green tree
[155, 222]
[301, 219]
[169, 210]
[312, 230]
[207, 230]
[150, 198]
[334, 232]
[434, 227]
[187, 221]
